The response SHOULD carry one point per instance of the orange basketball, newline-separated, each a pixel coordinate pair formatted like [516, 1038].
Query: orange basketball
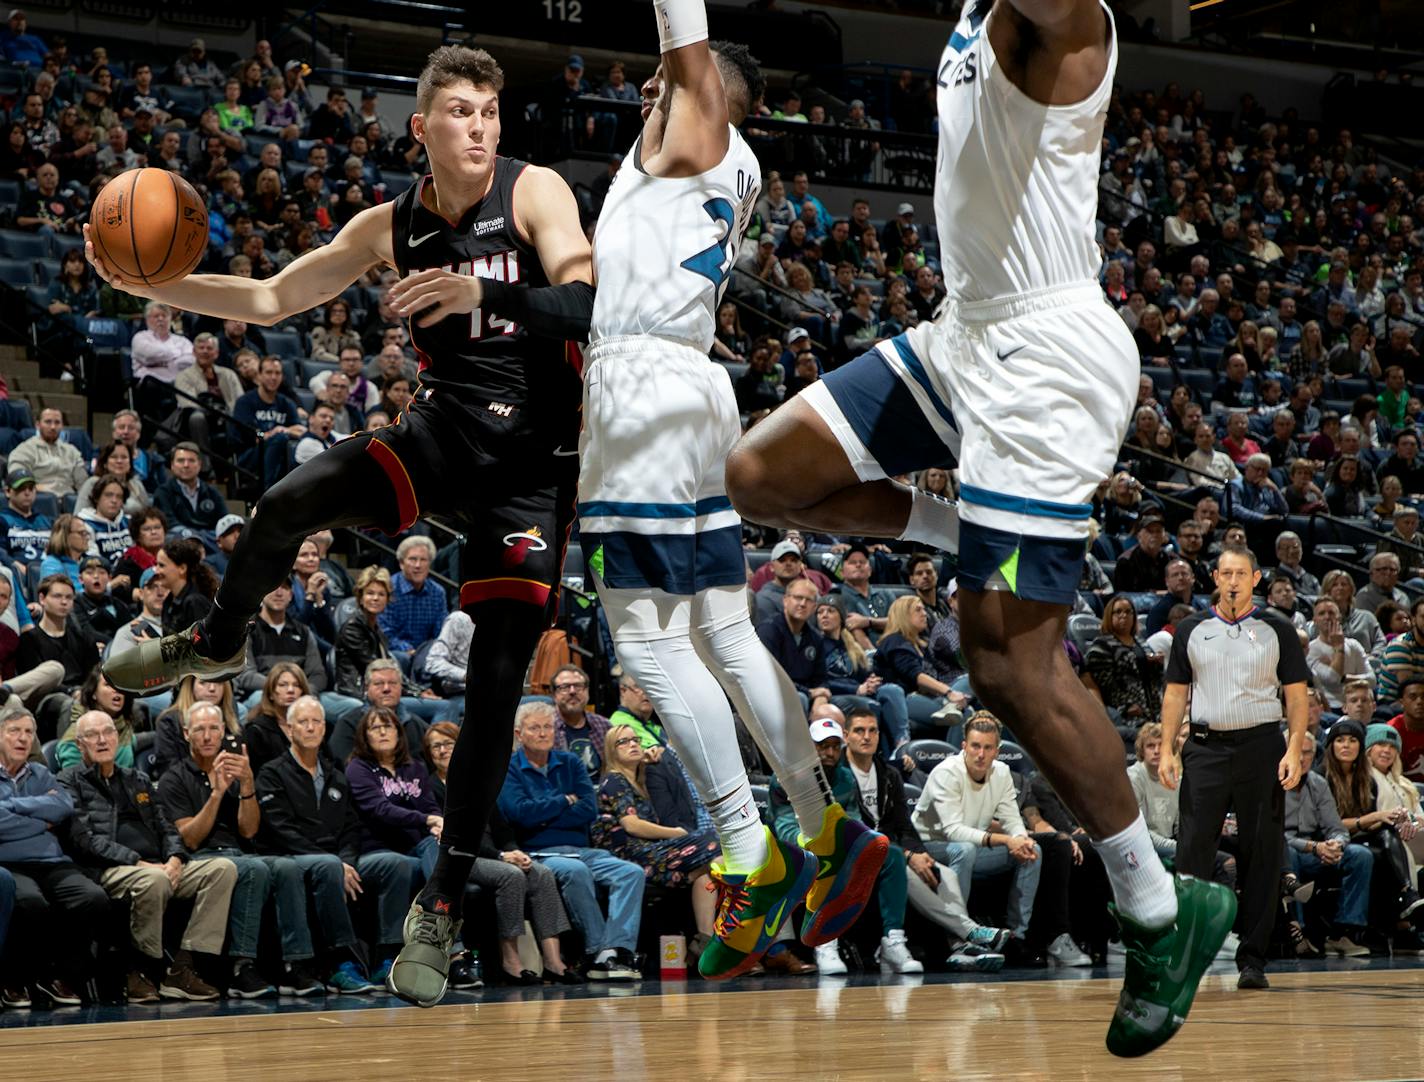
[149, 225]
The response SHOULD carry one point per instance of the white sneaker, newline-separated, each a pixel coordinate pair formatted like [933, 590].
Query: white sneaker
[894, 954]
[828, 960]
[1229, 946]
[1064, 952]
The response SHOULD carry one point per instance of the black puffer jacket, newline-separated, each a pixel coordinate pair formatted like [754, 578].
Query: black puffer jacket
[93, 831]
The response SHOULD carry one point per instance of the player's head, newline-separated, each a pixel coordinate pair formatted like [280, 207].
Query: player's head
[457, 109]
[741, 76]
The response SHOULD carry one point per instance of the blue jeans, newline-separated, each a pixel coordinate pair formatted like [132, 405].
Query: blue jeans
[392, 877]
[1354, 870]
[920, 708]
[894, 715]
[334, 704]
[269, 459]
[7, 905]
[970, 862]
[321, 876]
[259, 877]
[577, 871]
[432, 710]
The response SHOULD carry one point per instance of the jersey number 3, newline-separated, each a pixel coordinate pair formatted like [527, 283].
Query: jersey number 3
[715, 261]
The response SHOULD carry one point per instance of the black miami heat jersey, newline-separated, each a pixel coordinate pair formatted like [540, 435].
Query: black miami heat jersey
[491, 365]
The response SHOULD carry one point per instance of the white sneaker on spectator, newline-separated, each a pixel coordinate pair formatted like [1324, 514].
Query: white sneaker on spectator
[991, 939]
[1064, 952]
[970, 957]
[948, 714]
[894, 954]
[828, 960]
[1229, 946]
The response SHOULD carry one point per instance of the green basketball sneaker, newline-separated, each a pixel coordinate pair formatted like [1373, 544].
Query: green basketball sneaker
[158, 664]
[1164, 966]
[422, 968]
[751, 908]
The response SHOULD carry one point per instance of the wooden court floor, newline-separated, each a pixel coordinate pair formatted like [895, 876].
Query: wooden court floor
[1316, 1026]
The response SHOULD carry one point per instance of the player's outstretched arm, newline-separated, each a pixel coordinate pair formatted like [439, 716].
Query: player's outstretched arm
[306, 282]
[544, 211]
[687, 131]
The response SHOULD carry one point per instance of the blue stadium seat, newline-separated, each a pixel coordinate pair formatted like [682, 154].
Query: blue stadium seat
[46, 270]
[285, 344]
[17, 272]
[1201, 381]
[306, 399]
[47, 504]
[78, 437]
[928, 754]
[38, 295]
[312, 367]
[188, 101]
[17, 244]
[15, 413]
[396, 181]
[9, 193]
[9, 440]
[1015, 757]
[63, 242]
[108, 333]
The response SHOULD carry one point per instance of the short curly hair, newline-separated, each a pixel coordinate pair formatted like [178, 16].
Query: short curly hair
[741, 75]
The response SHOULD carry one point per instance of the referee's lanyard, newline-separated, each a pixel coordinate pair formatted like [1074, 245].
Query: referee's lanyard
[1234, 630]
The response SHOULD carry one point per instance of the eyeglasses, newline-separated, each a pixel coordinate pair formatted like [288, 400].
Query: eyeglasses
[625, 741]
[577, 685]
[442, 745]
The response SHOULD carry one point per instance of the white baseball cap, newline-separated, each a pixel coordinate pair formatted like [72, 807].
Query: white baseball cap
[824, 729]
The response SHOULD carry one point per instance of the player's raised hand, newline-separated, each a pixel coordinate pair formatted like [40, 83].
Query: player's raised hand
[435, 294]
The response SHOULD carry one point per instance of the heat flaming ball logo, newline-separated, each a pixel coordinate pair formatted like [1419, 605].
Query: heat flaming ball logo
[520, 545]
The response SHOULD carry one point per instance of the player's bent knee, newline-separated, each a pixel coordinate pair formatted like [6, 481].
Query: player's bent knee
[753, 486]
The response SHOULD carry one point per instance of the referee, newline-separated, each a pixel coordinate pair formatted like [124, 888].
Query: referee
[1236, 659]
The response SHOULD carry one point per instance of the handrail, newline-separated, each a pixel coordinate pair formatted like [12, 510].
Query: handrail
[1334, 520]
[781, 291]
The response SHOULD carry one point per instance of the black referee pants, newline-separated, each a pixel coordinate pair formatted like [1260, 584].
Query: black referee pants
[1236, 771]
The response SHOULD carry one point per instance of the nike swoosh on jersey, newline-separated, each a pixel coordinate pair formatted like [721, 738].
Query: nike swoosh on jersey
[414, 241]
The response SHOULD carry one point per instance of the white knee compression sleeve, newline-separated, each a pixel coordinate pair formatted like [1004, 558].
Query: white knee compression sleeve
[680, 22]
[933, 520]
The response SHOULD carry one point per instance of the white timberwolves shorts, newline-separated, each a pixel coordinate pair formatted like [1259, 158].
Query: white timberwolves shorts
[659, 420]
[1031, 394]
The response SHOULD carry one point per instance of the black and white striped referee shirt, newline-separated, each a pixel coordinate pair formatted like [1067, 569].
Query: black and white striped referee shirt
[1236, 668]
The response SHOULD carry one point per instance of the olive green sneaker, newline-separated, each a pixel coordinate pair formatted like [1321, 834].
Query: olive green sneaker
[422, 968]
[158, 664]
[1165, 965]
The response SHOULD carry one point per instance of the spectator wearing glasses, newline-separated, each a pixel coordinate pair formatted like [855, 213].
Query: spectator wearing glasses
[576, 728]
[122, 832]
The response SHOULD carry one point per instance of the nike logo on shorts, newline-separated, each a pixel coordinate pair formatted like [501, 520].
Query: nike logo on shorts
[1005, 354]
[561, 453]
[416, 241]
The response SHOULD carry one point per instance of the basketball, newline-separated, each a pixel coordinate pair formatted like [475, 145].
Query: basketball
[149, 225]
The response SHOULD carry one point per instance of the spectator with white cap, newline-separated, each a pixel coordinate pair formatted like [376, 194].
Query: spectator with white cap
[890, 233]
[227, 531]
[787, 565]
[148, 624]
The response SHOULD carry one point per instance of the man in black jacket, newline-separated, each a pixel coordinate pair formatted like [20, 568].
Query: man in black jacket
[275, 637]
[308, 815]
[122, 837]
[797, 645]
[933, 889]
[185, 497]
[99, 611]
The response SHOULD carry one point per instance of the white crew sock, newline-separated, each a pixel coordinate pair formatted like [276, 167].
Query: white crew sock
[1141, 886]
[739, 830]
[933, 520]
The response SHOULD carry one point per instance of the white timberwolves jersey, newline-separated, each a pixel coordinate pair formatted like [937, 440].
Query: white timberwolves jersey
[665, 246]
[1016, 190]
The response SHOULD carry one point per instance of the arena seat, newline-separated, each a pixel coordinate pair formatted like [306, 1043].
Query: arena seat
[1015, 758]
[1083, 629]
[188, 101]
[928, 754]
[284, 344]
[912, 794]
[396, 181]
[762, 796]
[17, 244]
[78, 438]
[17, 272]
[1201, 381]
[49, 751]
[9, 193]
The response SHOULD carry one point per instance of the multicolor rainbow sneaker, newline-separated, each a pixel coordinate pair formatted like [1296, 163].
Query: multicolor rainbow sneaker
[849, 855]
[752, 907]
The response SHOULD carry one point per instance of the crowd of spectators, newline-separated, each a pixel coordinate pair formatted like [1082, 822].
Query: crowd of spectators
[1269, 271]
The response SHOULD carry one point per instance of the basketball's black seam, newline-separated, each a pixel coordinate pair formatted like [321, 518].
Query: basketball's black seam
[177, 218]
[133, 236]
